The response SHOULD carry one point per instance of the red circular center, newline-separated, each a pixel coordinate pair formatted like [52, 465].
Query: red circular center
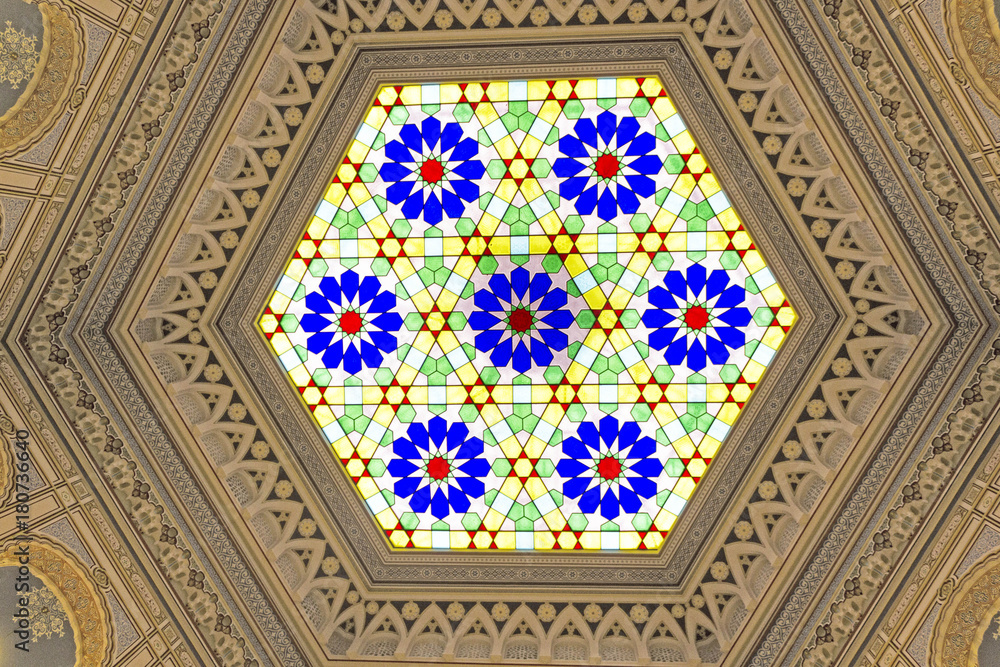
[607, 166]
[609, 468]
[520, 320]
[696, 317]
[438, 468]
[431, 171]
[350, 322]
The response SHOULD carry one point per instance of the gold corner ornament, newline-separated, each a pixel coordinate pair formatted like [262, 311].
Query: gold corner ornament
[19, 56]
[70, 596]
[46, 77]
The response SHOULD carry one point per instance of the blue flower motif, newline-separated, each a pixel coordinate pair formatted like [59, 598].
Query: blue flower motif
[698, 317]
[438, 163]
[524, 306]
[349, 321]
[611, 467]
[440, 466]
[608, 165]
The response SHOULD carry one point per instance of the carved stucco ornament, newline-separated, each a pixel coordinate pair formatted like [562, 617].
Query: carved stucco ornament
[47, 93]
[966, 615]
[974, 34]
[77, 591]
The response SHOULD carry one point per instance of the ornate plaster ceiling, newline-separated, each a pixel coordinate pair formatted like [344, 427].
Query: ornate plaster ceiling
[149, 210]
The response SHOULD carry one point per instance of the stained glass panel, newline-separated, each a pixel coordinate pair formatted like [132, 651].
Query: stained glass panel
[525, 315]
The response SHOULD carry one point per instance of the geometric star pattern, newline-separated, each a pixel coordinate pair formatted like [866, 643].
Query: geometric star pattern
[525, 315]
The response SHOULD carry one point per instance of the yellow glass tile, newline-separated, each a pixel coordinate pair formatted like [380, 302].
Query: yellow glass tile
[684, 185]
[595, 298]
[651, 86]
[628, 540]
[627, 87]
[474, 91]
[296, 269]
[753, 371]
[567, 540]
[773, 295]
[664, 520]
[299, 375]
[268, 323]
[387, 519]
[537, 90]
[355, 468]
[493, 519]
[506, 147]
[358, 152]
[717, 240]
[343, 448]
[562, 89]
[410, 95]
[335, 194]
[684, 447]
[709, 185]
[708, 447]
[684, 143]
[717, 392]
[753, 261]
[279, 303]
[486, 114]
[535, 487]
[550, 110]
[497, 91]
[773, 337]
[664, 220]
[696, 163]
[684, 487]
[741, 393]
[317, 228]
[280, 343]
[586, 89]
[664, 108]
[676, 241]
[312, 395]
[505, 540]
[728, 219]
[450, 93]
[387, 95]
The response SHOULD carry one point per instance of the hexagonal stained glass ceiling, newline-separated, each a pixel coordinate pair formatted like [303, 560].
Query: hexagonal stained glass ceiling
[525, 315]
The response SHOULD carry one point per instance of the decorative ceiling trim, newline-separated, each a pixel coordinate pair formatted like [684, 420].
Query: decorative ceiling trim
[959, 415]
